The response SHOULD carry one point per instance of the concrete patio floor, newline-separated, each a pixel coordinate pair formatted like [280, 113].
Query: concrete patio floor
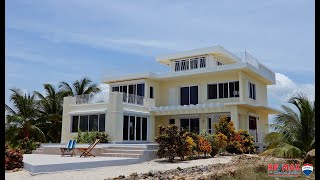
[44, 163]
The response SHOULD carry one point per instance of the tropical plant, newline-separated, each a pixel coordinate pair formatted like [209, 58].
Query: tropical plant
[90, 137]
[84, 86]
[295, 130]
[240, 143]
[168, 139]
[50, 108]
[218, 144]
[13, 158]
[204, 146]
[185, 144]
[225, 126]
[23, 118]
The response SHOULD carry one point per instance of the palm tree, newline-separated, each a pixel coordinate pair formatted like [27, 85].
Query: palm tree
[22, 119]
[84, 86]
[295, 131]
[50, 110]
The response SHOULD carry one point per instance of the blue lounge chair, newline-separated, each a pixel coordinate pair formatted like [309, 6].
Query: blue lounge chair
[69, 149]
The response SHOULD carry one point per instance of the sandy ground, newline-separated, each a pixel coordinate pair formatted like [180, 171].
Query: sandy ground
[114, 171]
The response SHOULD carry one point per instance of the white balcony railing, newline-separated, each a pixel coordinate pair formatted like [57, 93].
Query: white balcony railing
[246, 57]
[133, 99]
[257, 136]
[102, 97]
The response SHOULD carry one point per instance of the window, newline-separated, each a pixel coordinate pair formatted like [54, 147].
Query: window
[210, 126]
[234, 89]
[83, 123]
[94, 122]
[184, 65]
[252, 91]
[102, 122]
[194, 63]
[219, 63]
[151, 92]
[177, 66]
[190, 63]
[223, 90]
[75, 124]
[189, 95]
[115, 88]
[212, 91]
[172, 121]
[252, 122]
[191, 125]
[202, 62]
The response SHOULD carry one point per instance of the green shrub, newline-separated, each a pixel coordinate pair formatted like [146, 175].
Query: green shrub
[225, 126]
[13, 158]
[219, 143]
[195, 137]
[204, 146]
[242, 142]
[90, 137]
[185, 144]
[26, 145]
[168, 140]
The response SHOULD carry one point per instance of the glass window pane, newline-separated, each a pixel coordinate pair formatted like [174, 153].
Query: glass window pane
[237, 89]
[125, 127]
[131, 127]
[140, 89]
[194, 95]
[194, 125]
[209, 125]
[254, 91]
[75, 122]
[184, 124]
[231, 89]
[93, 123]
[138, 129]
[144, 129]
[151, 92]
[220, 90]
[225, 90]
[102, 122]
[116, 88]
[84, 123]
[184, 96]
[172, 121]
[177, 66]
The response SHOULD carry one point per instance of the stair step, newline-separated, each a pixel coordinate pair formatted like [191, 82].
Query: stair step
[126, 151]
[37, 152]
[127, 147]
[121, 155]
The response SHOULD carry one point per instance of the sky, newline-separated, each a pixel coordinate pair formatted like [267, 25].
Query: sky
[57, 40]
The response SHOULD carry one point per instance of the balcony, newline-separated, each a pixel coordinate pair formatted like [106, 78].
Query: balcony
[102, 97]
[133, 99]
[248, 58]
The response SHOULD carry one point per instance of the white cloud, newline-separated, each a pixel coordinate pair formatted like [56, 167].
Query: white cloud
[286, 88]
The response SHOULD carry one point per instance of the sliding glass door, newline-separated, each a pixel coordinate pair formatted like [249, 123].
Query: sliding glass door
[134, 128]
